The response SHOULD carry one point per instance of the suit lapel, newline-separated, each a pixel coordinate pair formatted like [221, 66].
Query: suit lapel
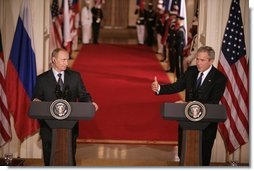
[195, 75]
[52, 78]
[67, 78]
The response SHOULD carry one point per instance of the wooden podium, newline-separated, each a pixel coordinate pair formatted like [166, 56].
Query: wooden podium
[191, 150]
[61, 150]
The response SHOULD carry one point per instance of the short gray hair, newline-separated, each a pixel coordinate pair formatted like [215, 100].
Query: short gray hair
[209, 50]
[56, 51]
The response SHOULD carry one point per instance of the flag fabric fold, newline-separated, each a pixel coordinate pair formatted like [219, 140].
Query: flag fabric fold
[68, 25]
[56, 33]
[5, 125]
[21, 74]
[234, 64]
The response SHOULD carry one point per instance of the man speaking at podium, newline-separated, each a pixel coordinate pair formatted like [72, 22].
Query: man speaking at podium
[59, 82]
[203, 83]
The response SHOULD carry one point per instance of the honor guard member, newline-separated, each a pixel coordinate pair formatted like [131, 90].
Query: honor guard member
[140, 24]
[171, 40]
[86, 22]
[179, 46]
[159, 28]
[150, 24]
[97, 18]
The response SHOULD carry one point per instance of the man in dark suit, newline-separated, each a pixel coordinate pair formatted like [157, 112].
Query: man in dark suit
[45, 90]
[209, 90]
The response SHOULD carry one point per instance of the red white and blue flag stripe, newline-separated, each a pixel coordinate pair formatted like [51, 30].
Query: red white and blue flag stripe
[234, 64]
[21, 74]
[5, 125]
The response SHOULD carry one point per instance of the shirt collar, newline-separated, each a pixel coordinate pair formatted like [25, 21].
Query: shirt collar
[205, 73]
[56, 74]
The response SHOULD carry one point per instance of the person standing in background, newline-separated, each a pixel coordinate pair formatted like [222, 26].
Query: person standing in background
[159, 29]
[140, 24]
[150, 24]
[179, 46]
[86, 22]
[97, 18]
[171, 39]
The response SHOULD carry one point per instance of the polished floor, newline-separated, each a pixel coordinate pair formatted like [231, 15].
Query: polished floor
[125, 155]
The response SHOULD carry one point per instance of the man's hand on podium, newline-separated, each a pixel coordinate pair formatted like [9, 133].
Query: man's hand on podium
[96, 106]
[36, 100]
[180, 101]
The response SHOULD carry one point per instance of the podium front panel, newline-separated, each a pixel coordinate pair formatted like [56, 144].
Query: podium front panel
[176, 111]
[79, 111]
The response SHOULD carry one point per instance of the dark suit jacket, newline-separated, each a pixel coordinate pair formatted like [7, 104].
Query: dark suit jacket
[46, 85]
[210, 91]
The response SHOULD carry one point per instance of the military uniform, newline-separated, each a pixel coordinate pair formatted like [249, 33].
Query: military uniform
[97, 18]
[159, 32]
[86, 22]
[171, 45]
[140, 24]
[150, 24]
[179, 46]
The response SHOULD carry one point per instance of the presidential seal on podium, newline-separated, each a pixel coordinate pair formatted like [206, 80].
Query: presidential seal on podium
[60, 109]
[195, 111]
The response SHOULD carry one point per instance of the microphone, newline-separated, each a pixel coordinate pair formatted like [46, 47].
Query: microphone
[67, 93]
[58, 92]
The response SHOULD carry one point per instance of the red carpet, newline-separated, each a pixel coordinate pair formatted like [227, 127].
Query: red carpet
[119, 79]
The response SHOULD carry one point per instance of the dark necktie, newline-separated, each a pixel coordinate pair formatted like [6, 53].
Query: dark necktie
[60, 81]
[198, 84]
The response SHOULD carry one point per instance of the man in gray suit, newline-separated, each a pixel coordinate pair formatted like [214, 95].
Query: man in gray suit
[46, 90]
[209, 90]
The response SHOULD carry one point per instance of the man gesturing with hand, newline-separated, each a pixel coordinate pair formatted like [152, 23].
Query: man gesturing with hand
[203, 83]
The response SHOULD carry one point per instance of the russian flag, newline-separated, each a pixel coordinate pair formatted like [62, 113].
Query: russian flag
[21, 74]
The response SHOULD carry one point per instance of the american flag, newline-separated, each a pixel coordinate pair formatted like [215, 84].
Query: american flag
[234, 64]
[57, 23]
[75, 6]
[5, 126]
[68, 25]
